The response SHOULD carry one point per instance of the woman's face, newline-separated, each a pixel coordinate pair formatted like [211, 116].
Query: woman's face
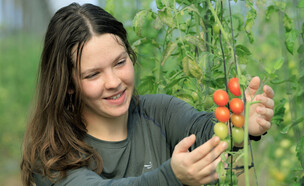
[107, 77]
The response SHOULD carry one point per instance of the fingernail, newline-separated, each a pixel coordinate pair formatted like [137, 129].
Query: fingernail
[225, 144]
[216, 139]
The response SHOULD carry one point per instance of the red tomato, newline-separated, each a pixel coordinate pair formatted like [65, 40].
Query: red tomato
[234, 86]
[222, 114]
[236, 105]
[237, 120]
[220, 97]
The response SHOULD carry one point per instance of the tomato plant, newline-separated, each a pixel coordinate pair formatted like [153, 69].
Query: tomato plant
[237, 105]
[237, 120]
[234, 86]
[237, 135]
[188, 56]
[221, 130]
[220, 98]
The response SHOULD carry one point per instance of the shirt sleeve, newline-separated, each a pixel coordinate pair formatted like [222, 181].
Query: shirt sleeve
[84, 176]
[179, 119]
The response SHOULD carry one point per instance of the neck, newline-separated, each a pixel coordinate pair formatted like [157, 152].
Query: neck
[107, 129]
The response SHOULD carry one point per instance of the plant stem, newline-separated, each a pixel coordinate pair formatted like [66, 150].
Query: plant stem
[177, 24]
[246, 126]
[218, 21]
[246, 169]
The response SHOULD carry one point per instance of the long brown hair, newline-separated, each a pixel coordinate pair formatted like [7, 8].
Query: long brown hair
[53, 142]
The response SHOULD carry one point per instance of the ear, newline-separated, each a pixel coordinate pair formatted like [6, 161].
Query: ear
[71, 91]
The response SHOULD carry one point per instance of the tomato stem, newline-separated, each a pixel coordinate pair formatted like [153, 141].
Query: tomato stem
[246, 169]
[218, 21]
[246, 126]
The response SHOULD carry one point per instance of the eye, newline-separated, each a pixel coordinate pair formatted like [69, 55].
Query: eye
[90, 76]
[121, 62]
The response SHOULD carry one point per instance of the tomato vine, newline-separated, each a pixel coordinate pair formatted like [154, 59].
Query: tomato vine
[197, 49]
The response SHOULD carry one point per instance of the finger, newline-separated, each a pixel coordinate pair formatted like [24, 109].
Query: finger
[185, 144]
[268, 91]
[204, 149]
[210, 168]
[267, 102]
[263, 123]
[212, 156]
[252, 87]
[209, 179]
[266, 112]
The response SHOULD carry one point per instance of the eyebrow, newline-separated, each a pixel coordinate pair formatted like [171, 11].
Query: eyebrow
[122, 54]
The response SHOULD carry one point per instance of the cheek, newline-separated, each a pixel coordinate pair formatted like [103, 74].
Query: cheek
[130, 75]
[92, 89]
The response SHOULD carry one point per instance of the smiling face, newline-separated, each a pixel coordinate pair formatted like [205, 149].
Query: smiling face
[107, 78]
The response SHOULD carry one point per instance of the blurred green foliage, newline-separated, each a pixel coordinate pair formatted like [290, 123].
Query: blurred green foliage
[18, 66]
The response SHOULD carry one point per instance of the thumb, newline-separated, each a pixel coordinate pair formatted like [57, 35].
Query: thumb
[252, 87]
[185, 144]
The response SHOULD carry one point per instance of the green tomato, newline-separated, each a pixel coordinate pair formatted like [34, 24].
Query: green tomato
[228, 141]
[221, 130]
[208, 102]
[216, 28]
[237, 135]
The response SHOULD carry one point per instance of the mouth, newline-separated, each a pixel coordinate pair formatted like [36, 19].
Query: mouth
[116, 96]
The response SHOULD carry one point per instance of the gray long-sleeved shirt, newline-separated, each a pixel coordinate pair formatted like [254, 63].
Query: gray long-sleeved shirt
[155, 126]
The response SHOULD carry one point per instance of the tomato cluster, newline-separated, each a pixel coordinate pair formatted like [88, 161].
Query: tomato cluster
[222, 113]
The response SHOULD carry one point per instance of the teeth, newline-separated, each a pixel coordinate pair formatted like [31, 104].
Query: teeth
[115, 97]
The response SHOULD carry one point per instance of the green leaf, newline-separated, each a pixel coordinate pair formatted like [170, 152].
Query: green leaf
[192, 8]
[194, 69]
[157, 24]
[270, 10]
[147, 85]
[159, 4]
[301, 4]
[286, 129]
[241, 50]
[185, 65]
[268, 70]
[300, 151]
[291, 37]
[250, 17]
[166, 17]
[287, 23]
[196, 41]
[139, 20]
[168, 51]
[250, 37]
[279, 112]
[301, 49]
[220, 170]
[242, 80]
[139, 42]
[278, 64]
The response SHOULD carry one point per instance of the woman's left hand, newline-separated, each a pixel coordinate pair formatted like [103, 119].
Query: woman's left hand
[260, 114]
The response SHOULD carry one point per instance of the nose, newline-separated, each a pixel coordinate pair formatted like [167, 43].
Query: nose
[112, 80]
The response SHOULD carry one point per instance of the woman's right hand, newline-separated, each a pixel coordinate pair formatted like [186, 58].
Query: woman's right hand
[198, 166]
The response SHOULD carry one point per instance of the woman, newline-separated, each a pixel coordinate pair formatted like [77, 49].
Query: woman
[88, 128]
